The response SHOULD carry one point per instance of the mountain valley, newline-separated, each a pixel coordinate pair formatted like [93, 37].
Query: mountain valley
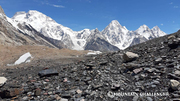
[140, 65]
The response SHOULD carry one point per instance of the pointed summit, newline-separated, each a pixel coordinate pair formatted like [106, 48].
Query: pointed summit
[96, 30]
[114, 23]
[2, 11]
[157, 32]
[115, 27]
[2, 14]
[144, 27]
[155, 28]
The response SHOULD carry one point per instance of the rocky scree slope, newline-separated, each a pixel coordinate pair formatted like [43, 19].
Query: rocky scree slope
[151, 67]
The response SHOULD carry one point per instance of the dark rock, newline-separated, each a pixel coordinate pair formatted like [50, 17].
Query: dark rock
[66, 95]
[172, 76]
[132, 66]
[48, 72]
[174, 43]
[10, 93]
[103, 63]
[90, 64]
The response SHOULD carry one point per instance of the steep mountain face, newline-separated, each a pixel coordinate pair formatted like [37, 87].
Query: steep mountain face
[49, 28]
[118, 35]
[22, 34]
[96, 41]
[114, 32]
[138, 39]
[28, 30]
[9, 35]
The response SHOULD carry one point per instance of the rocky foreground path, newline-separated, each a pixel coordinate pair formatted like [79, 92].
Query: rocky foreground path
[146, 72]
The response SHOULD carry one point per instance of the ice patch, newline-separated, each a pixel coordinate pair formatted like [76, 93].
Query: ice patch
[94, 52]
[23, 59]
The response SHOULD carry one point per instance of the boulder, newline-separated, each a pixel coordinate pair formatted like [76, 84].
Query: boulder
[177, 72]
[174, 84]
[171, 37]
[129, 56]
[174, 43]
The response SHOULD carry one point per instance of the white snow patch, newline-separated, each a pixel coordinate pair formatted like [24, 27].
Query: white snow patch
[93, 52]
[23, 59]
[2, 81]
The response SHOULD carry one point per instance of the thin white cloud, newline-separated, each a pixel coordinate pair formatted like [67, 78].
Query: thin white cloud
[46, 2]
[171, 3]
[162, 24]
[176, 6]
[58, 6]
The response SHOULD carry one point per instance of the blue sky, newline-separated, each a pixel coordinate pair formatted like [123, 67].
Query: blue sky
[80, 14]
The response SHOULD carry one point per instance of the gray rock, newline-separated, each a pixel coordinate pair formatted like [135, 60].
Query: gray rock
[136, 71]
[63, 99]
[174, 84]
[149, 99]
[129, 56]
[132, 65]
[171, 37]
[25, 98]
[153, 86]
[156, 82]
[177, 72]
[135, 98]
[37, 92]
[157, 61]
[152, 70]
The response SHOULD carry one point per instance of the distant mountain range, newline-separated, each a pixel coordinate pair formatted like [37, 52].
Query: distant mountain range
[40, 29]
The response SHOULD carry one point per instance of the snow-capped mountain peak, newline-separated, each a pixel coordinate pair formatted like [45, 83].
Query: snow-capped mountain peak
[142, 28]
[49, 28]
[157, 31]
[115, 23]
[114, 33]
[155, 28]
[145, 31]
